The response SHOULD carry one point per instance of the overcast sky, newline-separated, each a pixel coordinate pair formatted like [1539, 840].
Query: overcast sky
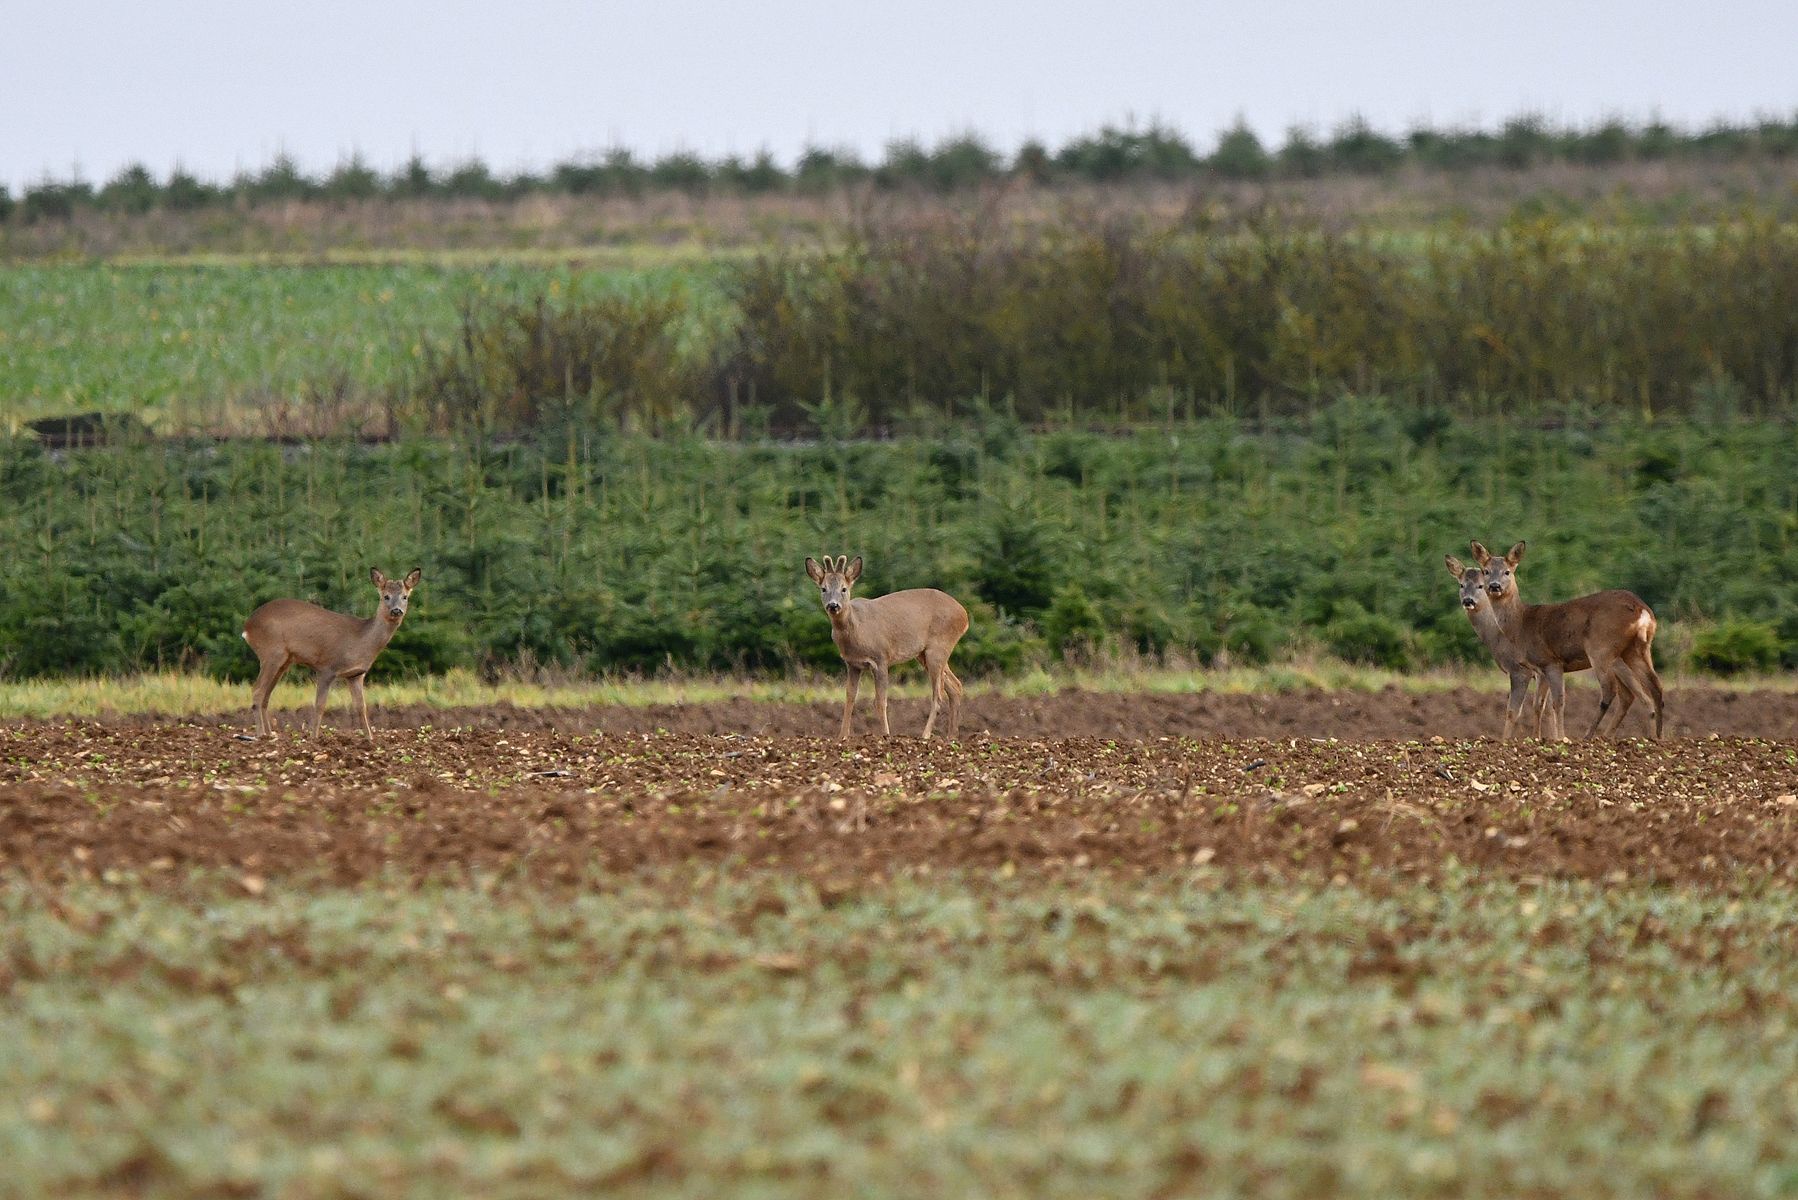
[218, 86]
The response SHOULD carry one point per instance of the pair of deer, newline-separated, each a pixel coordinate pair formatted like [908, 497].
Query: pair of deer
[871, 635]
[1610, 632]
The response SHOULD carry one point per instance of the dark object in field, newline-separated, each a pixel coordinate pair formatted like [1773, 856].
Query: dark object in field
[73, 431]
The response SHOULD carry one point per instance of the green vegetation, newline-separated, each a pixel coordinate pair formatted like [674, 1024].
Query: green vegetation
[1738, 645]
[1123, 320]
[1303, 420]
[601, 553]
[265, 349]
[957, 1037]
[1071, 322]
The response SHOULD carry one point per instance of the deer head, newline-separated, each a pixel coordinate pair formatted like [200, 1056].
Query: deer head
[395, 593]
[1472, 581]
[834, 578]
[1500, 573]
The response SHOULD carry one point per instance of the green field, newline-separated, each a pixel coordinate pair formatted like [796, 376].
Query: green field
[233, 345]
[957, 1036]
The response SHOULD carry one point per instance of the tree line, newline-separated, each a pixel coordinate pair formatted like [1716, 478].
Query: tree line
[1113, 154]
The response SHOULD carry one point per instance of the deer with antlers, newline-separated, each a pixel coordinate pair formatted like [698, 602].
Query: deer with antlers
[1612, 632]
[875, 635]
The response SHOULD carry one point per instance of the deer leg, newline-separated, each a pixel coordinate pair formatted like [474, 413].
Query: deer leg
[1643, 664]
[361, 699]
[880, 697]
[933, 668]
[1520, 687]
[266, 679]
[855, 681]
[325, 680]
[1557, 700]
[1630, 674]
[1628, 689]
[1607, 690]
[952, 686]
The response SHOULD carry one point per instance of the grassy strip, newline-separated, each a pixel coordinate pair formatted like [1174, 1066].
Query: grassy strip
[180, 694]
[749, 1036]
[177, 694]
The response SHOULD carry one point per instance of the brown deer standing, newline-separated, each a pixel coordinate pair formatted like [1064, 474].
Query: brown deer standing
[1610, 631]
[1478, 607]
[335, 645]
[874, 635]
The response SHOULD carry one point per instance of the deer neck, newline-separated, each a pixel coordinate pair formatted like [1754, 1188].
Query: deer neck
[1508, 610]
[375, 635]
[843, 623]
[1492, 635]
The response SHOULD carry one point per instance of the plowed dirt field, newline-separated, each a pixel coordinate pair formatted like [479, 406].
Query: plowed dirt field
[153, 801]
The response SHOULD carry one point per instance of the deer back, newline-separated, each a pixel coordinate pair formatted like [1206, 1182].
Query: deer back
[316, 637]
[900, 625]
[1613, 618]
[1569, 631]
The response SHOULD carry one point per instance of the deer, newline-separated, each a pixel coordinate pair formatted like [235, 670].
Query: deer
[877, 634]
[1478, 607]
[1612, 632]
[335, 645]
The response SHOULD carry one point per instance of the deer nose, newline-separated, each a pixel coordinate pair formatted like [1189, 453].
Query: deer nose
[833, 606]
[1469, 602]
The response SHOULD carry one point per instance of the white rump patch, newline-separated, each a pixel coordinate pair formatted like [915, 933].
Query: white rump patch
[1644, 624]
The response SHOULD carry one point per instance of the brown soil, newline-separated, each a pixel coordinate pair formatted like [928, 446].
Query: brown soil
[1697, 711]
[149, 804]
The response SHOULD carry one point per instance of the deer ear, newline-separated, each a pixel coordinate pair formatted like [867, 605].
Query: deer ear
[854, 571]
[1515, 554]
[1480, 553]
[813, 569]
[1456, 567]
[412, 577]
[375, 577]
